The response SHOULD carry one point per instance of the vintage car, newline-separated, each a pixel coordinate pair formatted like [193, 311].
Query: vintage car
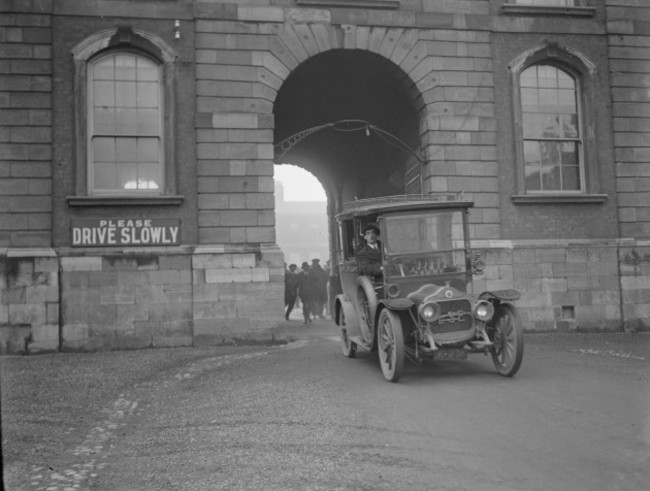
[422, 305]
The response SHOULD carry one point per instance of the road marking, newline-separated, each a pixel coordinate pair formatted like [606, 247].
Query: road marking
[617, 354]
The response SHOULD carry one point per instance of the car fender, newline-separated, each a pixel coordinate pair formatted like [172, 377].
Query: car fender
[500, 295]
[344, 304]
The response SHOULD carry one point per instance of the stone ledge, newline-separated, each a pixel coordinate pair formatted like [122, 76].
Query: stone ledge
[572, 11]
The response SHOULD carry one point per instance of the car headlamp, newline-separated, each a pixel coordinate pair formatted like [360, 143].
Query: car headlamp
[484, 310]
[429, 311]
[393, 290]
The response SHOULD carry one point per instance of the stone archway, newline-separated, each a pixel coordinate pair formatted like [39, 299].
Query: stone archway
[366, 113]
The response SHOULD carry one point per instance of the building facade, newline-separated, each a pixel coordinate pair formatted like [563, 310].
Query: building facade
[137, 143]
[301, 229]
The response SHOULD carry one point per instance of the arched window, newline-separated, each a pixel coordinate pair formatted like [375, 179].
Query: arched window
[125, 114]
[555, 126]
[125, 130]
[551, 130]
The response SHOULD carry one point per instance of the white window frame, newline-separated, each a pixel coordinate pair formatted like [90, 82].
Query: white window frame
[91, 133]
[579, 139]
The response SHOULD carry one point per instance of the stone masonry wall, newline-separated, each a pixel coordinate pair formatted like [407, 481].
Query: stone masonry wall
[25, 124]
[153, 299]
[628, 23]
[29, 301]
[564, 285]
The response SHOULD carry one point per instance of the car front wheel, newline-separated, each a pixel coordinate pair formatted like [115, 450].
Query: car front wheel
[390, 345]
[508, 337]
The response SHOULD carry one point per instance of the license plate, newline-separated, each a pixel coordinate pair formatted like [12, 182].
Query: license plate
[450, 354]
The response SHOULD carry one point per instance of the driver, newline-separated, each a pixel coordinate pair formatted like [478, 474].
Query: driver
[369, 255]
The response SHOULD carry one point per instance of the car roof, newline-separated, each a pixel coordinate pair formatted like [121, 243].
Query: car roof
[406, 202]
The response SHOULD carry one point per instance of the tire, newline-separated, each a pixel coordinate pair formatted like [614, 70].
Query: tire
[508, 337]
[366, 307]
[390, 345]
[347, 346]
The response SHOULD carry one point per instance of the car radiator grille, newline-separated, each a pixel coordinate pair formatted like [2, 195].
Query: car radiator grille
[455, 315]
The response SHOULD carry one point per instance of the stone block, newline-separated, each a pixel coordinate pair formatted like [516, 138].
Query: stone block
[243, 260]
[46, 264]
[75, 332]
[215, 310]
[223, 275]
[260, 234]
[33, 314]
[52, 313]
[170, 276]
[212, 261]
[205, 292]
[81, 264]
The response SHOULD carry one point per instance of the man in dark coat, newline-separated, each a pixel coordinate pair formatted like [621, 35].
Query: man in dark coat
[290, 289]
[320, 295]
[306, 290]
[369, 255]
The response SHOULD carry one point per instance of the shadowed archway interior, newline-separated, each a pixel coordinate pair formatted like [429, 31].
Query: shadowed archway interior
[350, 159]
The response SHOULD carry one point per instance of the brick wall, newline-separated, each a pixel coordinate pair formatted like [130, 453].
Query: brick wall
[629, 50]
[25, 123]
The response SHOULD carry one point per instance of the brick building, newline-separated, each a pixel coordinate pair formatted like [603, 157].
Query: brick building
[137, 142]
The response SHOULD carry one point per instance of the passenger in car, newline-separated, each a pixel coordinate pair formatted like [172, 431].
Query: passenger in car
[369, 255]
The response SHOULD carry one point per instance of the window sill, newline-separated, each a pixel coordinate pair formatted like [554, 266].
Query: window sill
[124, 200]
[513, 9]
[358, 4]
[578, 199]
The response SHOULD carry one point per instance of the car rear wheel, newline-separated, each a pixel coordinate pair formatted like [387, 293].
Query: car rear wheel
[390, 344]
[347, 346]
[508, 337]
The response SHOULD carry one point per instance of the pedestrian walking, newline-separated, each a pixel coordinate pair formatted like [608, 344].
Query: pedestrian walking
[320, 282]
[306, 291]
[290, 289]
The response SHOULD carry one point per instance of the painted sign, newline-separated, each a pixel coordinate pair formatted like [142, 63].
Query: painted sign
[89, 232]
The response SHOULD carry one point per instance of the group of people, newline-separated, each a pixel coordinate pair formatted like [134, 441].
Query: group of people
[310, 286]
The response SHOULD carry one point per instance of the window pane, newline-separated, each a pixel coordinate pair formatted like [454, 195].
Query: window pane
[104, 93]
[551, 178]
[148, 121]
[147, 150]
[127, 177]
[528, 77]
[103, 149]
[148, 175]
[532, 177]
[534, 125]
[104, 69]
[570, 153]
[549, 152]
[571, 178]
[531, 153]
[126, 150]
[546, 76]
[124, 67]
[147, 94]
[125, 94]
[126, 121]
[103, 121]
[147, 70]
[104, 176]
[529, 100]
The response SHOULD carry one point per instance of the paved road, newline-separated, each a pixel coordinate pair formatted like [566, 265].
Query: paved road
[304, 417]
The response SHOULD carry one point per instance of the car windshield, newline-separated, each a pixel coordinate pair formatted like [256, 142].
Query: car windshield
[425, 243]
